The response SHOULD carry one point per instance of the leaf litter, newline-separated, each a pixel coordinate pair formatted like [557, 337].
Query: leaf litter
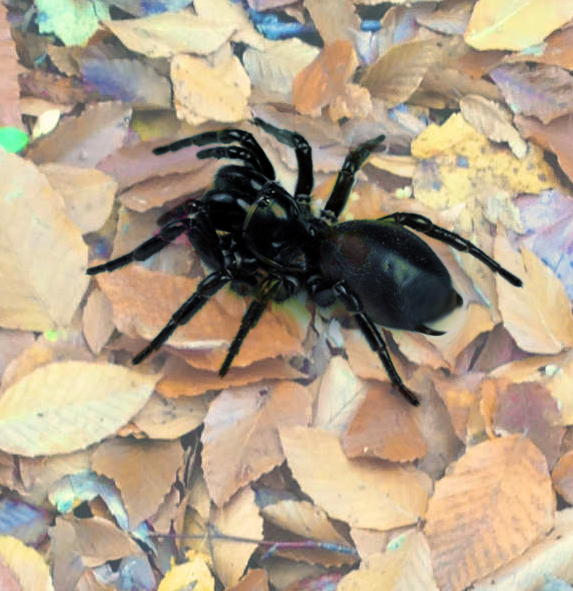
[156, 477]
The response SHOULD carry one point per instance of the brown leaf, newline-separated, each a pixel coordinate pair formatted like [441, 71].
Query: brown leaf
[254, 580]
[397, 74]
[10, 91]
[384, 427]
[556, 50]
[334, 19]
[515, 25]
[143, 471]
[87, 139]
[562, 476]
[450, 17]
[544, 92]
[529, 409]
[202, 92]
[239, 517]
[322, 80]
[538, 316]
[404, 566]
[367, 494]
[556, 136]
[488, 510]
[240, 439]
[98, 321]
[37, 292]
[493, 121]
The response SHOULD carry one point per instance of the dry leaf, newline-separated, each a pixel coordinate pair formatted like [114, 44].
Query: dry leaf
[325, 78]
[367, 493]
[405, 566]
[555, 137]
[240, 439]
[334, 19]
[98, 321]
[136, 466]
[193, 574]
[450, 17]
[83, 403]
[41, 250]
[10, 93]
[239, 517]
[88, 193]
[562, 476]
[202, 92]
[383, 427]
[544, 92]
[515, 25]
[397, 74]
[489, 509]
[171, 33]
[86, 139]
[491, 120]
[556, 50]
[538, 316]
[532, 570]
[273, 70]
[254, 580]
[26, 565]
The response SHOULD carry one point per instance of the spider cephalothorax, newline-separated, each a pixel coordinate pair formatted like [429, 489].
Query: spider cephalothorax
[261, 240]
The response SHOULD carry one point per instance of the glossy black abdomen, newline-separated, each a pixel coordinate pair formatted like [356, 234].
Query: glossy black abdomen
[399, 280]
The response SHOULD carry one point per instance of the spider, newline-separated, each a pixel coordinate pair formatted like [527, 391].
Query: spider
[267, 243]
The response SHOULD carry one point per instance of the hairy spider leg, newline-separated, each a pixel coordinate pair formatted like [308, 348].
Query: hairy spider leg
[224, 136]
[167, 234]
[374, 338]
[424, 225]
[206, 289]
[345, 179]
[302, 150]
[265, 293]
[231, 152]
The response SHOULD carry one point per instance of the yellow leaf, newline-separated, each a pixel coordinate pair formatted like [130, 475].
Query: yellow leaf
[194, 574]
[62, 407]
[31, 572]
[515, 24]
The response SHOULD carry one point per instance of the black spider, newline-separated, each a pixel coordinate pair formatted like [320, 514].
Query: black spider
[267, 243]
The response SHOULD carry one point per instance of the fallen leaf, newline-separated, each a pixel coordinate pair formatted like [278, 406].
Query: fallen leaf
[554, 137]
[26, 565]
[192, 574]
[538, 316]
[85, 402]
[86, 139]
[562, 476]
[325, 78]
[533, 569]
[273, 69]
[404, 566]
[515, 25]
[202, 92]
[10, 114]
[450, 17]
[368, 493]
[254, 580]
[240, 439]
[383, 426]
[136, 465]
[489, 509]
[239, 517]
[543, 92]
[489, 118]
[37, 293]
[171, 33]
[556, 50]
[98, 321]
[397, 74]
[334, 19]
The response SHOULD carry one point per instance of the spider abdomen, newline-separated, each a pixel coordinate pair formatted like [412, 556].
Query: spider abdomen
[399, 280]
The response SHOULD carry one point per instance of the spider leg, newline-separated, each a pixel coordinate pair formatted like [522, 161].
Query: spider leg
[224, 136]
[424, 225]
[345, 179]
[271, 287]
[374, 338]
[207, 288]
[302, 150]
[232, 152]
[146, 250]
